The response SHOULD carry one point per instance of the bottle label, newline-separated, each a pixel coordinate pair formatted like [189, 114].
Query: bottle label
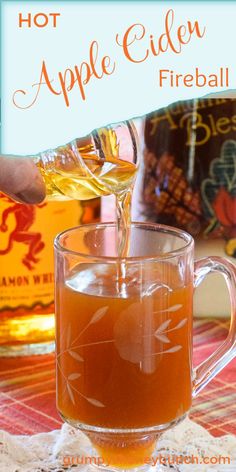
[190, 169]
[26, 250]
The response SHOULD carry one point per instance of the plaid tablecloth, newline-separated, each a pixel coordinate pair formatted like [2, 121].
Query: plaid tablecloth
[27, 389]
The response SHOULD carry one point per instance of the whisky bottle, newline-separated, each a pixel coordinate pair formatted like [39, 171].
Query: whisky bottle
[26, 271]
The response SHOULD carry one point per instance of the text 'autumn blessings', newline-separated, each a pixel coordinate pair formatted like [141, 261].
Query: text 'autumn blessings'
[138, 46]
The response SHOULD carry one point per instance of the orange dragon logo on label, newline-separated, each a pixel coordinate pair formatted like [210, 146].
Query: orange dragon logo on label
[24, 216]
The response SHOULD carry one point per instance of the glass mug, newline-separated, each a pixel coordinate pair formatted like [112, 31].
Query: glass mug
[124, 337]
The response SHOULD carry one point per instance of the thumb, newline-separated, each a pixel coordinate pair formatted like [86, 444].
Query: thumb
[21, 180]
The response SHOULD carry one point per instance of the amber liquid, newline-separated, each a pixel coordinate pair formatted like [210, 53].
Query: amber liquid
[124, 362]
[98, 178]
[87, 176]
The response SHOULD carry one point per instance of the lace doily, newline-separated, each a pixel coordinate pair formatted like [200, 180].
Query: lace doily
[45, 452]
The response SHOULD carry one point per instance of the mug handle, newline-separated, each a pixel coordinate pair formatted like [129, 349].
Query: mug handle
[209, 368]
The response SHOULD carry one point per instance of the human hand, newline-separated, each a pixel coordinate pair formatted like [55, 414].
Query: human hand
[21, 180]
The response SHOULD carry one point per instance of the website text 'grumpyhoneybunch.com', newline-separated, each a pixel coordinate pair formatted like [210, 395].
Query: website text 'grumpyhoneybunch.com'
[167, 459]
